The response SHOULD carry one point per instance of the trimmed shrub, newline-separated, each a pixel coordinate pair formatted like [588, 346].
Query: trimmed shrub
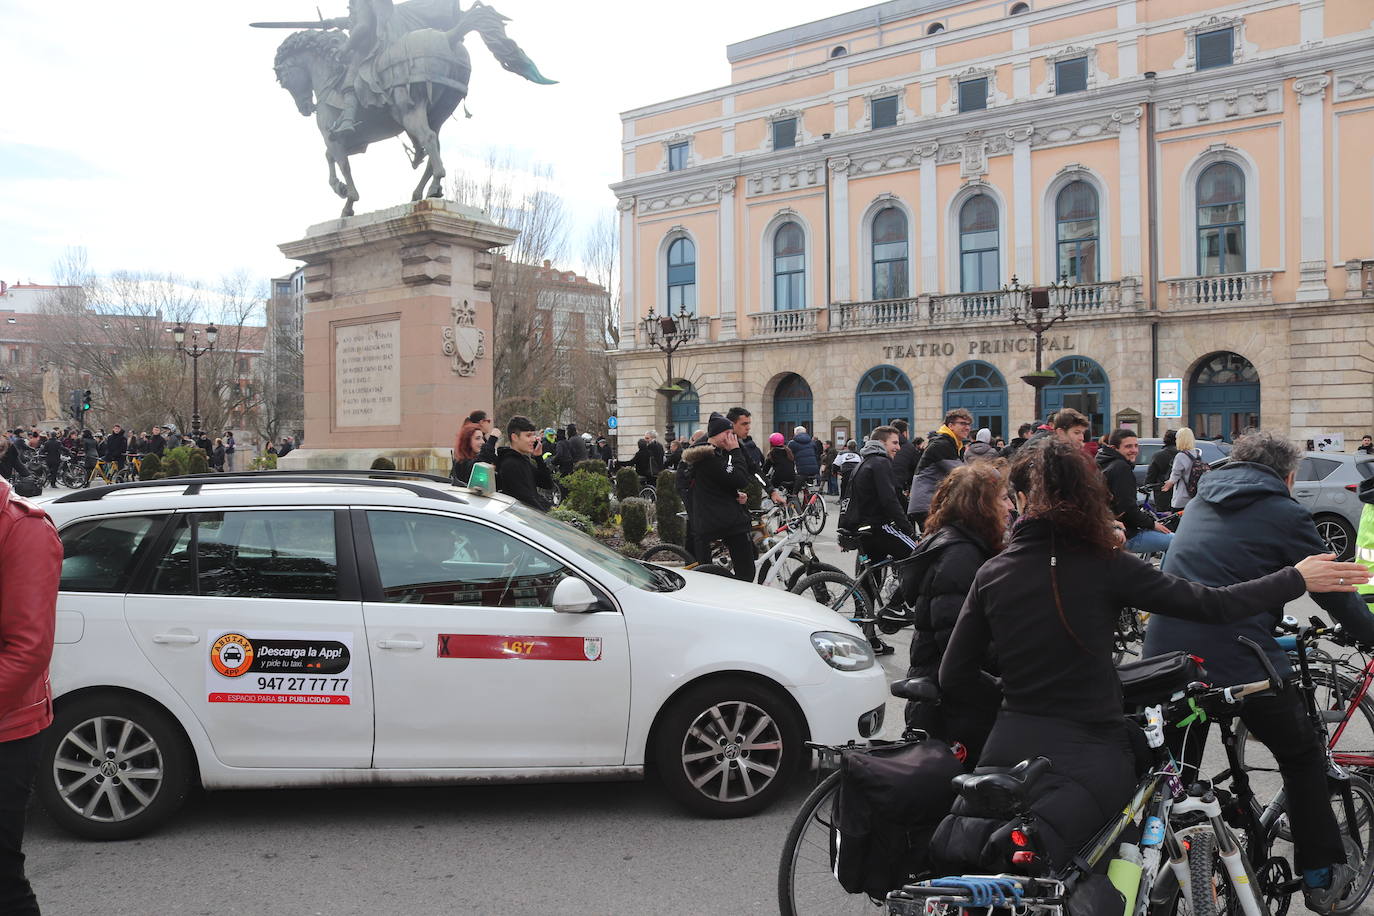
[383, 463]
[634, 518]
[176, 461]
[755, 492]
[667, 505]
[589, 492]
[150, 468]
[626, 483]
[569, 517]
[263, 463]
[197, 463]
[595, 465]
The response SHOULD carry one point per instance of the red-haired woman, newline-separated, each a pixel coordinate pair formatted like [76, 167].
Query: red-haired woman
[465, 448]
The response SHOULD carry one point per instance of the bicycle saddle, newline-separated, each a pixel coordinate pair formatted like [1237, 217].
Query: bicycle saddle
[916, 688]
[1001, 791]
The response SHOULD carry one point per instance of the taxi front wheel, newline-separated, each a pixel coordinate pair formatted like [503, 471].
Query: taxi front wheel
[728, 748]
[112, 767]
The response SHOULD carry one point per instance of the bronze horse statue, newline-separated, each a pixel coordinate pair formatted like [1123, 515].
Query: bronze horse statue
[413, 81]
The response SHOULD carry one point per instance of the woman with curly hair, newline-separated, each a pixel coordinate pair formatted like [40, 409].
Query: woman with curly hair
[1049, 602]
[468, 443]
[966, 527]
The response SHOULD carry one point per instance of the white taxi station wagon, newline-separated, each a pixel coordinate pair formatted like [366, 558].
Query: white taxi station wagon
[324, 629]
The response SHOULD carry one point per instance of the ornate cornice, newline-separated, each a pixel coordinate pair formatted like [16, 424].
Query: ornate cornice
[676, 200]
[1221, 105]
[784, 178]
[1354, 85]
[1313, 87]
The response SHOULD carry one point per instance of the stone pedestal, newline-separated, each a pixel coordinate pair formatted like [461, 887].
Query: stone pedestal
[398, 334]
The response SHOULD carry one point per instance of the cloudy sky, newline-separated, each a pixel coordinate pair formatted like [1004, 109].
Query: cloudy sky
[153, 133]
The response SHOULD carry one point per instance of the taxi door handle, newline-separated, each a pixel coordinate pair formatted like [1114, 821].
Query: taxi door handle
[400, 644]
[176, 639]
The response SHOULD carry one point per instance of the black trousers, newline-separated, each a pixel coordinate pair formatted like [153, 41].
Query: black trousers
[741, 553]
[18, 761]
[52, 474]
[891, 541]
[1281, 723]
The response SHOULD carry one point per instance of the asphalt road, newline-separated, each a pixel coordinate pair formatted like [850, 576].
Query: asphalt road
[531, 849]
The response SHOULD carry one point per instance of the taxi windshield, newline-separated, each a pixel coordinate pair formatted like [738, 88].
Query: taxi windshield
[618, 565]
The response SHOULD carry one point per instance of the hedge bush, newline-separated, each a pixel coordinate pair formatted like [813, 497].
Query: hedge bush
[626, 483]
[569, 517]
[197, 463]
[263, 463]
[595, 465]
[755, 492]
[667, 505]
[150, 467]
[176, 461]
[634, 518]
[383, 463]
[589, 492]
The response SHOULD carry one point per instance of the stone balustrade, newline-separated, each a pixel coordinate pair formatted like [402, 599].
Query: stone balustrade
[1359, 278]
[788, 323]
[880, 313]
[694, 330]
[1252, 288]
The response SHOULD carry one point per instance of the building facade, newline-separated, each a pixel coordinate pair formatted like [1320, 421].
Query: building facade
[839, 222]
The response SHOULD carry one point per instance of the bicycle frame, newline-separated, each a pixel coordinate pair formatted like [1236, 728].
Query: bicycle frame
[1352, 704]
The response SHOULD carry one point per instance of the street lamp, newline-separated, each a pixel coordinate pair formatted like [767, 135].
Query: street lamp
[667, 333]
[195, 351]
[1028, 308]
[5, 390]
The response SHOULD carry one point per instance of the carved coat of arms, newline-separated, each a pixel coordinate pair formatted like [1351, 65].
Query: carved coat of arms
[464, 341]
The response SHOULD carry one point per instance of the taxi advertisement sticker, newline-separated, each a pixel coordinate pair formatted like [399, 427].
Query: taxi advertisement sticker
[279, 667]
[530, 648]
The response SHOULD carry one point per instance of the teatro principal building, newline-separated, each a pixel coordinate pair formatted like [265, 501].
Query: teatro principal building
[838, 224]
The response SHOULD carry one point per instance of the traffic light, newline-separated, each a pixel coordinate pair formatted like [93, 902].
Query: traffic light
[86, 400]
[75, 403]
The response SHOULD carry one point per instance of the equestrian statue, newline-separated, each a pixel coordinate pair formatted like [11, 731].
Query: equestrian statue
[385, 69]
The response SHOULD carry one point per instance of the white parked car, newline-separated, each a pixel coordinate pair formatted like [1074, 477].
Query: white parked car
[254, 631]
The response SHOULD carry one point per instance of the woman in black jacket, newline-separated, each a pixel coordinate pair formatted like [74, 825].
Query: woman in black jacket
[967, 527]
[1049, 602]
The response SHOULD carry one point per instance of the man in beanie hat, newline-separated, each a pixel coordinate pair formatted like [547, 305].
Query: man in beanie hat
[720, 477]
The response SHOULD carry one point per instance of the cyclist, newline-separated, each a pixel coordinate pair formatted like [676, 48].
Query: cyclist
[1116, 460]
[873, 504]
[806, 452]
[1049, 602]
[1244, 523]
[941, 455]
[720, 476]
[844, 464]
[779, 468]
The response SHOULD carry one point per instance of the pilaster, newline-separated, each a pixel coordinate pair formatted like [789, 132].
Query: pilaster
[1311, 92]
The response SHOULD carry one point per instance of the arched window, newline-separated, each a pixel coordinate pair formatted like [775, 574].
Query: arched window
[978, 245]
[789, 268]
[884, 395]
[1224, 396]
[792, 404]
[1076, 232]
[935, 28]
[839, 51]
[1018, 8]
[682, 276]
[979, 388]
[1081, 384]
[1220, 220]
[890, 255]
[685, 409]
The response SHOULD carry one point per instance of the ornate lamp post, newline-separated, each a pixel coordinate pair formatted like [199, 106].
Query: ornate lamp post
[1028, 308]
[6, 389]
[667, 333]
[195, 351]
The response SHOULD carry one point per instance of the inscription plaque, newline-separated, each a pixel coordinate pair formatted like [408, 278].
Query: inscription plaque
[367, 374]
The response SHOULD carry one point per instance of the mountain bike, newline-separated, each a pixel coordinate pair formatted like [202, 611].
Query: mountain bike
[808, 503]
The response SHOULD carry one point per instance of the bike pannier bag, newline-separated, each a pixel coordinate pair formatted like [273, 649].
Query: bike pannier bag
[28, 487]
[890, 799]
[1154, 680]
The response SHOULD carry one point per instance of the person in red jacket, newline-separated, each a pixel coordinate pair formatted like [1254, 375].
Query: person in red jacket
[30, 568]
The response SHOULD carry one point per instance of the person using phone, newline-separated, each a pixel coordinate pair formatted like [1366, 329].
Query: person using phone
[521, 471]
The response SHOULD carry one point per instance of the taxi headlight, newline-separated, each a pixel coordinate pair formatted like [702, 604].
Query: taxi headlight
[842, 651]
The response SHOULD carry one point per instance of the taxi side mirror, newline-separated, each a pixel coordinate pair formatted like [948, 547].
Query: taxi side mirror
[573, 596]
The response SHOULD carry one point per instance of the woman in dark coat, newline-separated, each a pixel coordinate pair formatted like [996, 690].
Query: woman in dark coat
[966, 528]
[217, 456]
[1049, 602]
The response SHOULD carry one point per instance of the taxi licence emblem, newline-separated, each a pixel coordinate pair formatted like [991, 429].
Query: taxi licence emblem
[591, 647]
[232, 654]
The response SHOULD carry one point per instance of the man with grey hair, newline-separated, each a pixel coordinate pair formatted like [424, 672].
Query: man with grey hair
[1242, 524]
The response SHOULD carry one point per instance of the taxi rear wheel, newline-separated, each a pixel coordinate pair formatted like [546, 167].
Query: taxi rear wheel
[112, 767]
[728, 748]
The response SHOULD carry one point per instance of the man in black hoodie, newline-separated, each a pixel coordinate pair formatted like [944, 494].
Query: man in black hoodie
[520, 468]
[873, 505]
[1116, 461]
[1242, 524]
[720, 477]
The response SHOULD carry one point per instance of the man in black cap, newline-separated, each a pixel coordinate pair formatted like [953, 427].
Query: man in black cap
[720, 477]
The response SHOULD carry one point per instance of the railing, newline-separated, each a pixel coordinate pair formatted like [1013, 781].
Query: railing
[1089, 298]
[966, 308]
[1253, 288]
[1359, 278]
[790, 323]
[694, 330]
[880, 313]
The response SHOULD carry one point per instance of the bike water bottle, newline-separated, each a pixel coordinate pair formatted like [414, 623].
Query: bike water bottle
[1124, 873]
[1153, 833]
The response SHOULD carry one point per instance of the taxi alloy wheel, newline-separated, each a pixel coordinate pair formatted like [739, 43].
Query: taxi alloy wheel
[112, 768]
[727, 749]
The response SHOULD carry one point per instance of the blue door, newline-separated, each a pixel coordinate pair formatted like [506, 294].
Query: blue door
[1083, 386]
[792, 406]
[685, 410]
[884, 395]
[1224, 397]
[980, 389]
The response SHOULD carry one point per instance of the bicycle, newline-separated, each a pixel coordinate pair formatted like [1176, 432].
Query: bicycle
[808, 503]
[1184, 833]
[862, 598]
[788, 552]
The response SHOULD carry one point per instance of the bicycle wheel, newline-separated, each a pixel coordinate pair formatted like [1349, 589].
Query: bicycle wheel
[668, 555]
[1353, 804]
[839, 593]
[807, 569]
[1353, 748]
[648, 493]
[1203, 872]
[805, 883]
[1130, 634]
[813, 516]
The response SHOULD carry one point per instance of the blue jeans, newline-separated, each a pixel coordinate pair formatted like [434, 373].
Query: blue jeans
[1150, 541]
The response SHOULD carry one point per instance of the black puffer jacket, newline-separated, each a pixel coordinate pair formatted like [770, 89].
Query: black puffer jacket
[1121, 481]
[717, 479]
[519, 476]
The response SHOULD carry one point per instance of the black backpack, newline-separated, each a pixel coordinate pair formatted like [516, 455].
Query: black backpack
[891, 798]
[1195, 472]
[28, 487]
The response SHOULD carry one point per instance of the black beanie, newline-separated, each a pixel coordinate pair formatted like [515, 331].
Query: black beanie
[717, 426]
